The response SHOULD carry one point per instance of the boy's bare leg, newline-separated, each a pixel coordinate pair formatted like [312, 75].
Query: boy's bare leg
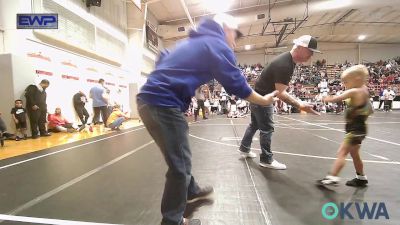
[340, 161]
[358, 164]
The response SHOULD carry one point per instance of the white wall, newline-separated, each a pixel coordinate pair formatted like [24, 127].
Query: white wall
[373, 53]
[251, 58]
[22, 68]
[340, 52]
[6, 90]
[335, 53]
[1, 41]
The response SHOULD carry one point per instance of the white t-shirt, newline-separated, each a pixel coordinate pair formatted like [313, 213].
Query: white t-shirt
[389, 95]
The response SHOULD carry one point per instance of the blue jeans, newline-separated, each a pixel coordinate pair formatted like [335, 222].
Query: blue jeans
[261, 119]
[169, 129]
[117, 123]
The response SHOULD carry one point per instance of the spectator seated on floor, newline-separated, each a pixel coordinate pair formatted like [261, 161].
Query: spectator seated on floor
[242, 107]
[214, 106]
[282, 107]
[58, 123]
[3, 129]
[233, 109]
[116, 118]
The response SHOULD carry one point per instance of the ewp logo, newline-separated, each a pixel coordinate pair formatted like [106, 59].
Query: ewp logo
[330, 210]
[37, 21]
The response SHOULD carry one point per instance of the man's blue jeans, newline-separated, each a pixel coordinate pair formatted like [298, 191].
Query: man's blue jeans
[169, 129]
[117, 123]
[261, 119]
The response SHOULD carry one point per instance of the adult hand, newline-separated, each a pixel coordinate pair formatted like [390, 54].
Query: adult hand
[308, 108]
[16, 121]
[35, 107]
[270, 98]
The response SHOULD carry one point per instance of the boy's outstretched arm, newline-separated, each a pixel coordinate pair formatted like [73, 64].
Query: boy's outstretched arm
[345, 95]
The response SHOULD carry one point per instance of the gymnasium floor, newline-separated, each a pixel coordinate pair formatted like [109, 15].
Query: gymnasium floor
[118, 178]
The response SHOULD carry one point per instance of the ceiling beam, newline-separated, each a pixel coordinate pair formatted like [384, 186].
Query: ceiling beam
[296, 26]
[348, 13]
[229, 11]
[281, 33]
[152, 1]
[250, 29]
[265, 26]
[188, 14]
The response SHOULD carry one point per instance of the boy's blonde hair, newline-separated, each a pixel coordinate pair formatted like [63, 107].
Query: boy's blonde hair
[116, 106]
[357, 71]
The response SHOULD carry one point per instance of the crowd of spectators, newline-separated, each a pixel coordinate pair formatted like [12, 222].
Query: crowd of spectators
[311, 83]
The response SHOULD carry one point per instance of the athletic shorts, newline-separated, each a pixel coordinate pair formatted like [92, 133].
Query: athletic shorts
[353, 138]
[21, 125]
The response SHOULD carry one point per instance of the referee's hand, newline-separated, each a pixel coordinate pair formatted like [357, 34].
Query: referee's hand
[308, 108]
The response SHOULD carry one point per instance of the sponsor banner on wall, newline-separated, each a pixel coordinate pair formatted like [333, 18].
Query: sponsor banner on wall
[69, 73]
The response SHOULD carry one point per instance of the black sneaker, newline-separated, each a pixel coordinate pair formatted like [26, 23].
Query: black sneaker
[35, 136]
[81, 127]
[1, 141]
[17, 138]
[25, 137]
[204, 193]
[357, 183]
[191, 222]
[47, 134]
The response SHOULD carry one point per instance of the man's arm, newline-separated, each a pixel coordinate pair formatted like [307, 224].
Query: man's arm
[257, 99]
[14, 118]
[284, 96]
[225, 72]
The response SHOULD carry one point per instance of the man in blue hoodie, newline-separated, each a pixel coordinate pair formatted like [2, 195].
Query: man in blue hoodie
[205, 55]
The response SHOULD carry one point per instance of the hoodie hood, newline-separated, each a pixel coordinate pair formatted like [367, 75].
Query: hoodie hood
[208, 27]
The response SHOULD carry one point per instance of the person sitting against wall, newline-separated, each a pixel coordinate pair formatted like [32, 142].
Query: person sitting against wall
[3, 129]
[116, 118]
[58, 123]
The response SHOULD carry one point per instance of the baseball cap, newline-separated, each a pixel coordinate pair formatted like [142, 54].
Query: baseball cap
[229, 21]
[308, 42]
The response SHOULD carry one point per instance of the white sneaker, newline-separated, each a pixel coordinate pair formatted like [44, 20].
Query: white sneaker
[247, 154]
[274, 165]
[329, 180]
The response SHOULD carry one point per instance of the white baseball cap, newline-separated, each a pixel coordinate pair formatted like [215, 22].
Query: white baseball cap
[307, 41]
[229, 21]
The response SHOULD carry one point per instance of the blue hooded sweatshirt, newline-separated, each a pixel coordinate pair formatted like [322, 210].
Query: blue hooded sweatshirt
[195, 61]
